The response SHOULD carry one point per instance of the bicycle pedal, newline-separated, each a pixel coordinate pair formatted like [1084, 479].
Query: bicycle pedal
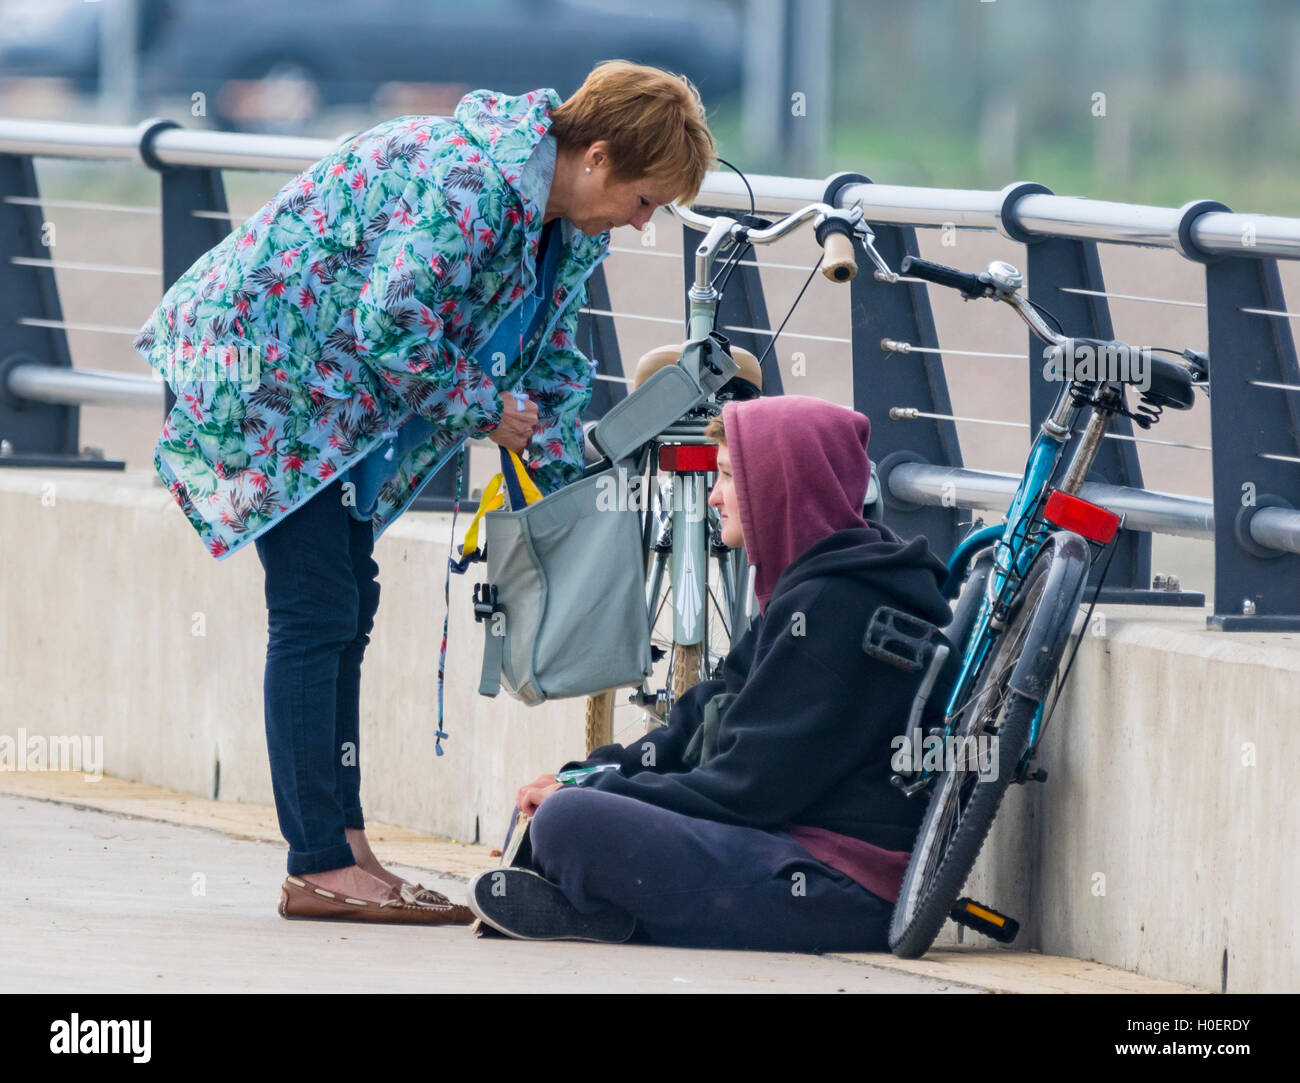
[899, 638]
[985, 920]
[909, 787]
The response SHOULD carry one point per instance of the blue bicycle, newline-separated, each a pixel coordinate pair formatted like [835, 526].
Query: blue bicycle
[1000, 658]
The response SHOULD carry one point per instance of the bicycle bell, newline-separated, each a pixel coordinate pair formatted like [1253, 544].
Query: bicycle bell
[1006, 277]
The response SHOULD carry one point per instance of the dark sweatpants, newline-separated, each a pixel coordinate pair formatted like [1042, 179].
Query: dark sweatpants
[698, 883]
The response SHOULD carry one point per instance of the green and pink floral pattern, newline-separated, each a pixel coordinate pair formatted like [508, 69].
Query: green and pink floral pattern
[357, 298]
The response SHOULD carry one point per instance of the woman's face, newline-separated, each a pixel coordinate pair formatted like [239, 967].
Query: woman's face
[723, 497]
[600, 202]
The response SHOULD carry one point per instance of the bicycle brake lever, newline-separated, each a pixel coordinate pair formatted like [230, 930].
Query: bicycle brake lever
[868, 237]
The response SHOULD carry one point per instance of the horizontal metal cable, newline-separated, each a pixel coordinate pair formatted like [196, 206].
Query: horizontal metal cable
[630, 316]
[1162, 443]
[894, 345]
[1277, 458]
[81, 204]
[1131, 297]
[910, 413]
[645, 252]
[785, 334]
[67, 325]
[72, 265]
[742, 263]
[1269, 383]
[1270, 312]
[725, 327]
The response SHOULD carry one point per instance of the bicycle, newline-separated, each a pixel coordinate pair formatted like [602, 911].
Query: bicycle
[705, 586]
[1024, 582]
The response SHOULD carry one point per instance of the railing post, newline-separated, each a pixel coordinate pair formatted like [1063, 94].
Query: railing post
[186, 236]
[1053, 266]
[1255, 589]
[33, 433]
[882, 379]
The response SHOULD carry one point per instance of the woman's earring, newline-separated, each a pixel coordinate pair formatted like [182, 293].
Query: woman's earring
[588, 169]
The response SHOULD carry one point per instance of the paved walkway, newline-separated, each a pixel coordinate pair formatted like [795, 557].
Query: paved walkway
[118, 887]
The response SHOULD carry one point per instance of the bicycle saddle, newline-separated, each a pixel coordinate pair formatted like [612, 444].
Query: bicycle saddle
[1170, 384]
[750, 373]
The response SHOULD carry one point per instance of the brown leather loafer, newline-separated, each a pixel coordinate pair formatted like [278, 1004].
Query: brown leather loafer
[426, 895]
[301, 898]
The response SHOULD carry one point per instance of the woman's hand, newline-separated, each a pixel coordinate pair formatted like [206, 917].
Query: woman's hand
[517, 425]
[534, 793]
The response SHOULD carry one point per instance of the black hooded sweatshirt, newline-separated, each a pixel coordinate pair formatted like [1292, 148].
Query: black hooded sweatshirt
[807, 740]
[805, 745]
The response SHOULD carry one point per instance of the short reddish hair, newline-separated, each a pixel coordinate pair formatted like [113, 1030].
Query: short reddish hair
[652, 119]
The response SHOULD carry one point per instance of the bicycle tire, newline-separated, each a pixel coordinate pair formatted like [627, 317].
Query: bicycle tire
[600, 720]
[688, 660]
[942, 857]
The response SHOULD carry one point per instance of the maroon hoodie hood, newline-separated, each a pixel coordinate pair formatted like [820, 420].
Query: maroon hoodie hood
[800, 469]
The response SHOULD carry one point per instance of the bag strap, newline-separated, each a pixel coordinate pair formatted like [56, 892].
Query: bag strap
[494, 656]
[522, 491]
[469, 548]
[486, 607]
[520, 488]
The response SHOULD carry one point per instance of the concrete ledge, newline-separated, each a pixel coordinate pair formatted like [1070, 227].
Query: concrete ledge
[118, 623]
[1165, 841]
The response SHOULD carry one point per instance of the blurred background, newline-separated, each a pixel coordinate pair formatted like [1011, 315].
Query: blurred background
[1157, 101]
[1197, 97]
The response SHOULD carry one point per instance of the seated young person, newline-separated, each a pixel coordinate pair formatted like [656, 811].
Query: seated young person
[762, 815]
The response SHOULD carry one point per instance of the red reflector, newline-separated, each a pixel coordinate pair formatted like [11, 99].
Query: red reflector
[684, 457]
[1073, 513]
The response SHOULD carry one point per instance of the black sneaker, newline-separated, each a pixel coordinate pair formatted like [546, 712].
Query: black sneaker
[526, 906]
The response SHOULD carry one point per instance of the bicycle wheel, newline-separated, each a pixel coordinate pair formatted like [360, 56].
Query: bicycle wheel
[962, 803]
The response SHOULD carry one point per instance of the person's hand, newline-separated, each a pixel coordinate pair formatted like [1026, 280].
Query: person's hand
[517, 426]
[530, 796]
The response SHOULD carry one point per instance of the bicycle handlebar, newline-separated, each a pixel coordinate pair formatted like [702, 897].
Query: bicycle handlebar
[1002, 282]
[834, 230]
[967, 284]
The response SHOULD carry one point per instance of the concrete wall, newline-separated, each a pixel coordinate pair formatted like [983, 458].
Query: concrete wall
[1165, 840]
[101, 596]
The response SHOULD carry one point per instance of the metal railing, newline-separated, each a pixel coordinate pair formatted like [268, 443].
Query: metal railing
[897, 358]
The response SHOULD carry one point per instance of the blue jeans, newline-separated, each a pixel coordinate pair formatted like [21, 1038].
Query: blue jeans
[698, 883]
[321, 597]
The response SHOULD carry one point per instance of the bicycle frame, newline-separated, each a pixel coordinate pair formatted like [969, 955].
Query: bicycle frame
[688, 534]
[1022, 536]
[1017, 544]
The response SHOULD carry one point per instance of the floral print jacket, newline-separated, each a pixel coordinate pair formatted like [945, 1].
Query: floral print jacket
[355, 299]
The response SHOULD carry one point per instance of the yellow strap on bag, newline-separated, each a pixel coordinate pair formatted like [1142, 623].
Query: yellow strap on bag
[494, 496]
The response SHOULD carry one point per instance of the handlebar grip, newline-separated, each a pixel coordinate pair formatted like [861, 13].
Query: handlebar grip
[969, 285]
[839, 263]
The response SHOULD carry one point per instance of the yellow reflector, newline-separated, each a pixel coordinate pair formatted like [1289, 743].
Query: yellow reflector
[987, 915]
